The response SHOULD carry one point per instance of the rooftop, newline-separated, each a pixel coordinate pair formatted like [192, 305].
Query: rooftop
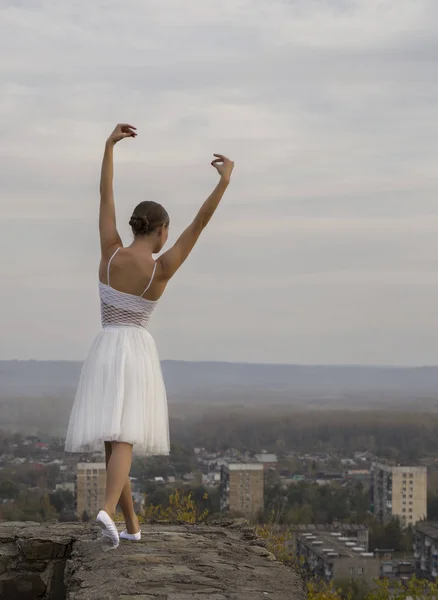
[241, 466]
[265, 457]
[329, 527]
[400, 468]
[429, 528]
[91, 465]
[332, 545]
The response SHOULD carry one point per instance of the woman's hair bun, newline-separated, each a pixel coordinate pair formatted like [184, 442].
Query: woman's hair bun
[147, 217]
[139, 224]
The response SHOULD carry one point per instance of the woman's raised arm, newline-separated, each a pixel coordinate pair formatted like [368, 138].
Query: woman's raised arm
[172, 259]
[109, 237]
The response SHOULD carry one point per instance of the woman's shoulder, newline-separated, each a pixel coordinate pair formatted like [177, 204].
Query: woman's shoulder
[110, 253]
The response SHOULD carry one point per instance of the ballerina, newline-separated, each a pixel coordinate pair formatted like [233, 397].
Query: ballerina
[121, 399]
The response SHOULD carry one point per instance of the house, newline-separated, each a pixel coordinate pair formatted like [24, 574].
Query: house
[267, 459]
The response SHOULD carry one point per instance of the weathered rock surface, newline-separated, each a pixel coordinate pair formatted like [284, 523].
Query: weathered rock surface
[59, 561]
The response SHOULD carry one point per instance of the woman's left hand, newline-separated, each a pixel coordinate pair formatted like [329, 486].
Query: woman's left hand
[223, 165]
[122, 131]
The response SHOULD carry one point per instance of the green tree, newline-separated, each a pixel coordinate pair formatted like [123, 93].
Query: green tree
[62, 500]
[47, 511]
[9, 489]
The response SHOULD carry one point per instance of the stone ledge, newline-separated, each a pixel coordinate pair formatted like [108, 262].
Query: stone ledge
[66, 561]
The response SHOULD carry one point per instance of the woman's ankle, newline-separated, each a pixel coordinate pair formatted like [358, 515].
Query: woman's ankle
[110, 512]
[132, 525]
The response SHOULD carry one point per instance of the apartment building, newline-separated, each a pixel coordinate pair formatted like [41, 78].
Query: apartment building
[426, 550]
[397, 570]
[399, 492]
[242, 488]
[90, 488]
[331, 556]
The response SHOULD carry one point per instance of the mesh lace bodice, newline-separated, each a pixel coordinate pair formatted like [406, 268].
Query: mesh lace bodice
[120, 309]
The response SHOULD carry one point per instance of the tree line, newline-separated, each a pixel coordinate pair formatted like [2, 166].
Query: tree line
[405, 436]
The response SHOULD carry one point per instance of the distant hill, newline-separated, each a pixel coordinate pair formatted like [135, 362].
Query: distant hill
[206, 382]
[37, 395]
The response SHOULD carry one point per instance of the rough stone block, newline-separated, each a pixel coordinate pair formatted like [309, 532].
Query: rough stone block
[41, 549]
[172, 562]
[25, 587]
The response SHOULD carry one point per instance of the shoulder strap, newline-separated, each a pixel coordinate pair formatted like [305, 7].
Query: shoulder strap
[109, 263]
[150, 280]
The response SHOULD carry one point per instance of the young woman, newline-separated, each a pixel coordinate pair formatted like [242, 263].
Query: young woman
[121, 399]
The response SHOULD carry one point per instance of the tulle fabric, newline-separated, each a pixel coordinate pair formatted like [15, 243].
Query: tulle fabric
[121, 395]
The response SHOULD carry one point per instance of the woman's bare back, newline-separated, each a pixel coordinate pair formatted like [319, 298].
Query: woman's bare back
[133, 270]
[130, 271]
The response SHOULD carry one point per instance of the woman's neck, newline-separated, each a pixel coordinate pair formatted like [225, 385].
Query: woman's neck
[144, 244]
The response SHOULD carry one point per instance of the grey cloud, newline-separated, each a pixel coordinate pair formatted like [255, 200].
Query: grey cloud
[324, 248]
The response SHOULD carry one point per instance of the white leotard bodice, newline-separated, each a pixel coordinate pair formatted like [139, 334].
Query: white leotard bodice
[119, 309]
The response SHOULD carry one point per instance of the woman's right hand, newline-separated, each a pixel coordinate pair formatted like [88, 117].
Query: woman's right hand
[223, 165]
[122, 131]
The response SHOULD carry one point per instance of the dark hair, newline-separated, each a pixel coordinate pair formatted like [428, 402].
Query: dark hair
[147, 217]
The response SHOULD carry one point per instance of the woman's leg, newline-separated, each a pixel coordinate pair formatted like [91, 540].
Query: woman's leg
[125, 500]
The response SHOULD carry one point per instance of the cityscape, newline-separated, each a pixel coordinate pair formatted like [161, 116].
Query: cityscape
[38, 481]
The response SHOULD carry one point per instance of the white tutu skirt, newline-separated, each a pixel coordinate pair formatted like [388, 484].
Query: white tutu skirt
[121, 395]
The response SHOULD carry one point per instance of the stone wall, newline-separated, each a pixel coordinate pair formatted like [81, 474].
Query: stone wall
[33, 559]
[59, 561]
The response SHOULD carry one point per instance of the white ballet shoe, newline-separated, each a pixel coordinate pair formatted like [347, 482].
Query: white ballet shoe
[132, 537]
[108, 527]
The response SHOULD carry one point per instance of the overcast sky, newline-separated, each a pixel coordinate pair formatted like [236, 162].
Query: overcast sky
[325, 249]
